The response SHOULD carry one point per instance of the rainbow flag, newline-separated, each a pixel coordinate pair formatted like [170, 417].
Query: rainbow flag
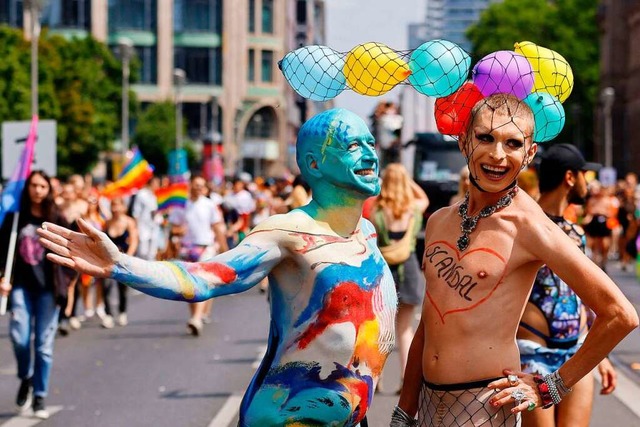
[135, 174]
[175, 195]
[10, 199]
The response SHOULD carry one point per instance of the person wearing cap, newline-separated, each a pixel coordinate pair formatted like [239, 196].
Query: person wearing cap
[554, 322]
[480, 260]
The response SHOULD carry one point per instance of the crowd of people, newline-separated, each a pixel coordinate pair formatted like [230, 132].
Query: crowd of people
[460, 367]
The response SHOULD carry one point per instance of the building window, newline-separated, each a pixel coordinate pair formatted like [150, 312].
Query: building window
[11, 13]
[67, 14]
[252, 16]
[202, 65]
[251, 66]
[267, 16]
[197, 16]
[148, 58]
[301, 11]
[262, 124]
[267, 66]
[132, 15]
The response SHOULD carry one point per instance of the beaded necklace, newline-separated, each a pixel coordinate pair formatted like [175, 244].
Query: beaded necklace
[468, 224]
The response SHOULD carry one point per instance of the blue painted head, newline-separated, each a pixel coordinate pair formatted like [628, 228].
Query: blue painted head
[336, 149]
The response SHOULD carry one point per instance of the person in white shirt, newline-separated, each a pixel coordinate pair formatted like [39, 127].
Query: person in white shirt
[201, 228]
[144, 210]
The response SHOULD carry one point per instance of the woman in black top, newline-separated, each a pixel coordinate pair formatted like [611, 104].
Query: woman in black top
[33, 296]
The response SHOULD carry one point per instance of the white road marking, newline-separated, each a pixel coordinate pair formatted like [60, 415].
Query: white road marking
[231, 407]
[228, 412]
[28, 420]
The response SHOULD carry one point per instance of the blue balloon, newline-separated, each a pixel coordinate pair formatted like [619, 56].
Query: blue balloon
[315, 72]
[438, 68]
[548, 115]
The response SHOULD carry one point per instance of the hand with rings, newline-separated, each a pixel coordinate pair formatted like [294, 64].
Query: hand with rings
[517, 389]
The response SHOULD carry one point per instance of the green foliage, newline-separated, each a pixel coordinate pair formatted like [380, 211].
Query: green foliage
[79, 86]
[569, 27]
[155, 136]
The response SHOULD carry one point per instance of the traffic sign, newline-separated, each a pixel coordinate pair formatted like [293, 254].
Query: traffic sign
[14, 136]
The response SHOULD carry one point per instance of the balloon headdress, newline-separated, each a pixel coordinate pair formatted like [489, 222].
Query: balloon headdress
[538, 76]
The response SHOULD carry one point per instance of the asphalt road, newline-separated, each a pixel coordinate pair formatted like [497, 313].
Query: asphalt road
[152, 373]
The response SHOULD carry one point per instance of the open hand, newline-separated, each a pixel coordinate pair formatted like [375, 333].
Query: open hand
[90, 251]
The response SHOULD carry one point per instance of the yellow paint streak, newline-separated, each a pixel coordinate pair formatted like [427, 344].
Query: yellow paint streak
[187, 290]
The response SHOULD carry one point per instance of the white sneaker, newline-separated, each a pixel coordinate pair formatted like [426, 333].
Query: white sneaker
[194, 326]
[100, 312]
[122, 319]
[74, 323]
[108, 322]
[89, 313]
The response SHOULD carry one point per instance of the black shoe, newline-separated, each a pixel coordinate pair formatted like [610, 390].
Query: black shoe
[39, 410]
[23, 399]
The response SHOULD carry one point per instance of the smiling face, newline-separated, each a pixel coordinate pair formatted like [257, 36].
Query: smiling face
[337, 147]
[498, 143]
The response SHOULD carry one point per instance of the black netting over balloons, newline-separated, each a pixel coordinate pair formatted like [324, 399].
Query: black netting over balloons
[539, 77]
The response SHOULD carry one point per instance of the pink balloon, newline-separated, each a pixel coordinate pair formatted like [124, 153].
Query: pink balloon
[503, 71]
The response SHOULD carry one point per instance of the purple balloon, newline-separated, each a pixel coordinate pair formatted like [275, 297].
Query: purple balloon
[503, 71]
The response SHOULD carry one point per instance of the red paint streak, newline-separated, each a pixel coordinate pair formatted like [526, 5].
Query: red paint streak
[224, 272]
[347, 302]
[373, 235]
[360, 389]
[481, 300]
[311, 241]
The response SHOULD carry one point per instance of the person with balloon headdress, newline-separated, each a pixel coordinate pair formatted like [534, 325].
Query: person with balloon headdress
[482, 255]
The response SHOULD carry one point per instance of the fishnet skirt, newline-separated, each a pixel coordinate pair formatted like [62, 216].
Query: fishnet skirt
[459, 405]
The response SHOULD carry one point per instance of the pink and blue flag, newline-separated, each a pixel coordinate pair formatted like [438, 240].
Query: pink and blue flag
[10, 199]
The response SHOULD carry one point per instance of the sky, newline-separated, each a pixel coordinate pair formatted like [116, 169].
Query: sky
[352, 22]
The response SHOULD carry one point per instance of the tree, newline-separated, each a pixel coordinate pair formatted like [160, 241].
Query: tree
[568, 27]
[155, 136]
[79, 86]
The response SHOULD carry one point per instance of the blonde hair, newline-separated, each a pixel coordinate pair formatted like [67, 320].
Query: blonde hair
[396, 193]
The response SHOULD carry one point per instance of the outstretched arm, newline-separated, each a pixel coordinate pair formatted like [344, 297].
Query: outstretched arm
[91, 252]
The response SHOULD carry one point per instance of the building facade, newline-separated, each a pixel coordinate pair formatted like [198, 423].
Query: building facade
[449, 19]
[234, 95]
[619, 22]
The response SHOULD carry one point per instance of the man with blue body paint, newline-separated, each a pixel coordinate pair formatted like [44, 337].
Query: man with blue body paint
[333, 299]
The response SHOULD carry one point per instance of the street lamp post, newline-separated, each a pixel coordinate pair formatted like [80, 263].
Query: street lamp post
[179, 78]
[608, 96]
[126, 52]
[35, 6]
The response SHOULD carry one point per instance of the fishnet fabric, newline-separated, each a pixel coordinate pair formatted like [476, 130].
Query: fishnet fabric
[462, 408]
[538, 76]
[435, 68]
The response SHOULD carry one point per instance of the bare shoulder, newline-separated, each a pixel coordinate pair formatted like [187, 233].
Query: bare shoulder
[295, 221]
[536, 233]
[441, 216]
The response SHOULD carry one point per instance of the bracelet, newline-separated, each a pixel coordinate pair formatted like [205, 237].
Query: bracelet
[543, 389]
[562, 388]
[399, 418]
[553, 390]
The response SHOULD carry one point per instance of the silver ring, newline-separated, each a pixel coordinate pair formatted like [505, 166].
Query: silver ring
[518, 396]
[513, 380]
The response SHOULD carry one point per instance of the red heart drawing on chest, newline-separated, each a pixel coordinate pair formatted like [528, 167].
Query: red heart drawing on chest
[461, 285]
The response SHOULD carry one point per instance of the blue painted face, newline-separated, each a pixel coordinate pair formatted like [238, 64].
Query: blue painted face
[344, 150]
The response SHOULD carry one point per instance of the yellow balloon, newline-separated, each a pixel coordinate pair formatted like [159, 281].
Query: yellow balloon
[373, 69]
[552, 73]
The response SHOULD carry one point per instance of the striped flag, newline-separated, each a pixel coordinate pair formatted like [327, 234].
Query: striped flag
[10, 199]
[175, 195]
[135, 174]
